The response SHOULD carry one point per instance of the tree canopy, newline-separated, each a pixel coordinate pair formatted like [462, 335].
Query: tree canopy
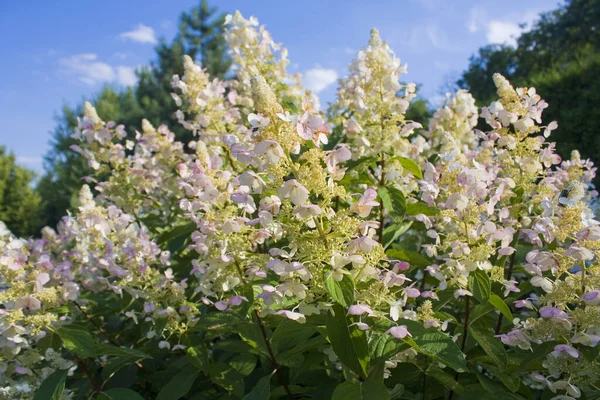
[19, 204]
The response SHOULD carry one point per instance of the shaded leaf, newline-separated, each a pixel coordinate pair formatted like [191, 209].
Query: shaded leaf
[341, 291]
[261, 391]
[411, 167]
[179, 385]
[77, 340]
[361, 391]
[120, 394]
[349, 343]
[480, 285]
[492, 346]
[53, 386]
[501, 306]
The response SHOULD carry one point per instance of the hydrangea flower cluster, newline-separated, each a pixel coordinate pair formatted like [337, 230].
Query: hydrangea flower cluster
[435, 263]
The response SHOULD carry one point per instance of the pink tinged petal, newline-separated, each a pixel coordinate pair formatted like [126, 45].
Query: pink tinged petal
[294, 316]
[221, 305]
[237, 300]
[361, 325]
[399, 332]
[506, 251]
[570, 350]
[359, 309]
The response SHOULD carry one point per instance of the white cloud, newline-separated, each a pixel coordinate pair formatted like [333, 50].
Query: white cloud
[502, 32]
[126, 76]
[141, 34]
[475, 18]
[24, 160]
[88, 69]
[317, 79]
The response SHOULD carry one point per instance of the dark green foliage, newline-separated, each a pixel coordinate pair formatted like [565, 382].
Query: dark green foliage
[19, 204]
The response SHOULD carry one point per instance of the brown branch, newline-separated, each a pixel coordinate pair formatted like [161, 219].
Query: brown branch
[86, 371]
[263, 330]
[276, 365]
[464, 339]
[508, 275]
[381, 208]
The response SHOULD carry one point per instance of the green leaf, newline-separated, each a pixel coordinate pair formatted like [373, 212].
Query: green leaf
[77, 340]
[444, 378]
[412, 257]
[289, 334]
[496, 389]
[479, 284]
[261, 391]
[179, 386]
[393, 201]
[492, 346]
[421, 208]
[243, 363]
[433, 343]
[361, 391]
[227, 377]
[342, 291]
[410, 166]
[198, 356]
[396, 392]
[178, 231]
[120, 394]
[104, 349]
[349, 343]
[352, 164]
[394, 231]
[383, 346]
[53, 386]
[500, 305]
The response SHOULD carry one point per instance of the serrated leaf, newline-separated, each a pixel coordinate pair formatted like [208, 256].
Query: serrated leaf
[349, 343]
[243, 363]
[361, 391]
[289, 334]
[261, 391]
[444, 378]
[77, 340]
[120, 394]
[104, 349]
[393, 201]
[179, 385]
[52, 387]
[480, 285]
[227, 377]
[500, 305]
[394, 231]
[433, 343]
[411, 167]
[421, 208]
[383, 346]
[412, 257]
[341, 291]
[492, 346]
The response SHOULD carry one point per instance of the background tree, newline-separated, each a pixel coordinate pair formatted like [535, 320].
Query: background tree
[560, 57]
[19, 204]
[200, 36]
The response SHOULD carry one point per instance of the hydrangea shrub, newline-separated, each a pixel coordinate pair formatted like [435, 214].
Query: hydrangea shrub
[289, 252]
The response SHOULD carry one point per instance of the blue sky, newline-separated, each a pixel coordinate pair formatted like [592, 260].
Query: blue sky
[57, 53]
